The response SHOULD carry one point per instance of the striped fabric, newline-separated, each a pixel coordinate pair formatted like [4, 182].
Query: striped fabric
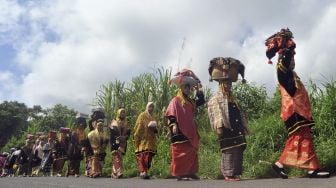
[232, 162]
[218, 111]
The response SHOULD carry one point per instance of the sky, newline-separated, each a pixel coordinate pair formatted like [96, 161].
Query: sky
[61, 51]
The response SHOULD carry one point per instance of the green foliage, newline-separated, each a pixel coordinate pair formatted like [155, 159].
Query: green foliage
[13, 119]
[111, 97]
[323, 101]
[42, 121]
[54, 118]
[252, 98]
[136, 94]
[265, 143]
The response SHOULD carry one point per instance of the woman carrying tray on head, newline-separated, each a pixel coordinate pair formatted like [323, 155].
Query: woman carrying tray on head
[226, 116]
[295, 110]
[184, 134]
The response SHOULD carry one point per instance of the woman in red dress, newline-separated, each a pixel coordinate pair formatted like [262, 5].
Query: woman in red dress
[183, 128]
[295, 111]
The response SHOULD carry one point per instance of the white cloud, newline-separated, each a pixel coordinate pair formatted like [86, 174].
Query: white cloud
[317, 53]
[8, 86]
[9, 17]
[69, 48]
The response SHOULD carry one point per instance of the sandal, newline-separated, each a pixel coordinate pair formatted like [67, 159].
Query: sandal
[318, 174]
[280, 171]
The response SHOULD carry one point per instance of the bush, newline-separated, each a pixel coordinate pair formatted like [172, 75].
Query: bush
[265, 143]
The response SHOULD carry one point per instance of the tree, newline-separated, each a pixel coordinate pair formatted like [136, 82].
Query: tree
[54, 118]
[13, 119]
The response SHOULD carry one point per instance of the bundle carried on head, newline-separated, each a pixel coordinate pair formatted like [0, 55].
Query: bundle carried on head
[97, 113]
[186, 76]
[81, 120]
[280, 42]
[226, 69]
[65, 130]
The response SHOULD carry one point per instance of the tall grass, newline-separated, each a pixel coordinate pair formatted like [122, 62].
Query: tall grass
[265, 143]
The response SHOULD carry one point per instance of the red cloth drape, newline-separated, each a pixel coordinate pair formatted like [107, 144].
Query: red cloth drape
[184, 159]
[299, 103]
[299, 150]
[184, 114]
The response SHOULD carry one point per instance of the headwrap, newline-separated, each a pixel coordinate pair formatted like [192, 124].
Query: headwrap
[64, 130]
[120, 124]
[183, 98]
[152, 124]
[280, 42]
[119, 112]
[183, 77]
[148, 105]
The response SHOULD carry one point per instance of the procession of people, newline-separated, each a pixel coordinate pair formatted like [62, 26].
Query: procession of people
[45, 154]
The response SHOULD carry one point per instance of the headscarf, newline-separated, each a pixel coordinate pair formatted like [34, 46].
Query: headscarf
[183, 98]
[119, 111]
[121, 122]
[147, 107]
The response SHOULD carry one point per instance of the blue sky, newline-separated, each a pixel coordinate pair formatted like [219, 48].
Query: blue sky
[61, 51]
[7, 56]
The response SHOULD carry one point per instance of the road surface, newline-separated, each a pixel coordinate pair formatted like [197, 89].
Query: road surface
[83, 182]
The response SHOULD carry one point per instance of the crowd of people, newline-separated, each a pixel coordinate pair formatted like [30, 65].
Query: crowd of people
[46, 154]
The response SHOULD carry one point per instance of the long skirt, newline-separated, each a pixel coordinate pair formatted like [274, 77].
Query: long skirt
[232, 162]
[299, 150]
[96, 167]
[184, 159]
[144, 160]
[58, 165]
[88, 165]
[73, 167]
[117, 164]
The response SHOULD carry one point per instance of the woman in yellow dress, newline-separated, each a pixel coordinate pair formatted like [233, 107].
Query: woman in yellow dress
[145, 131]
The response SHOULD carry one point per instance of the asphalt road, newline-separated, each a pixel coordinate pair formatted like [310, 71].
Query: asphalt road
[83, 182]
